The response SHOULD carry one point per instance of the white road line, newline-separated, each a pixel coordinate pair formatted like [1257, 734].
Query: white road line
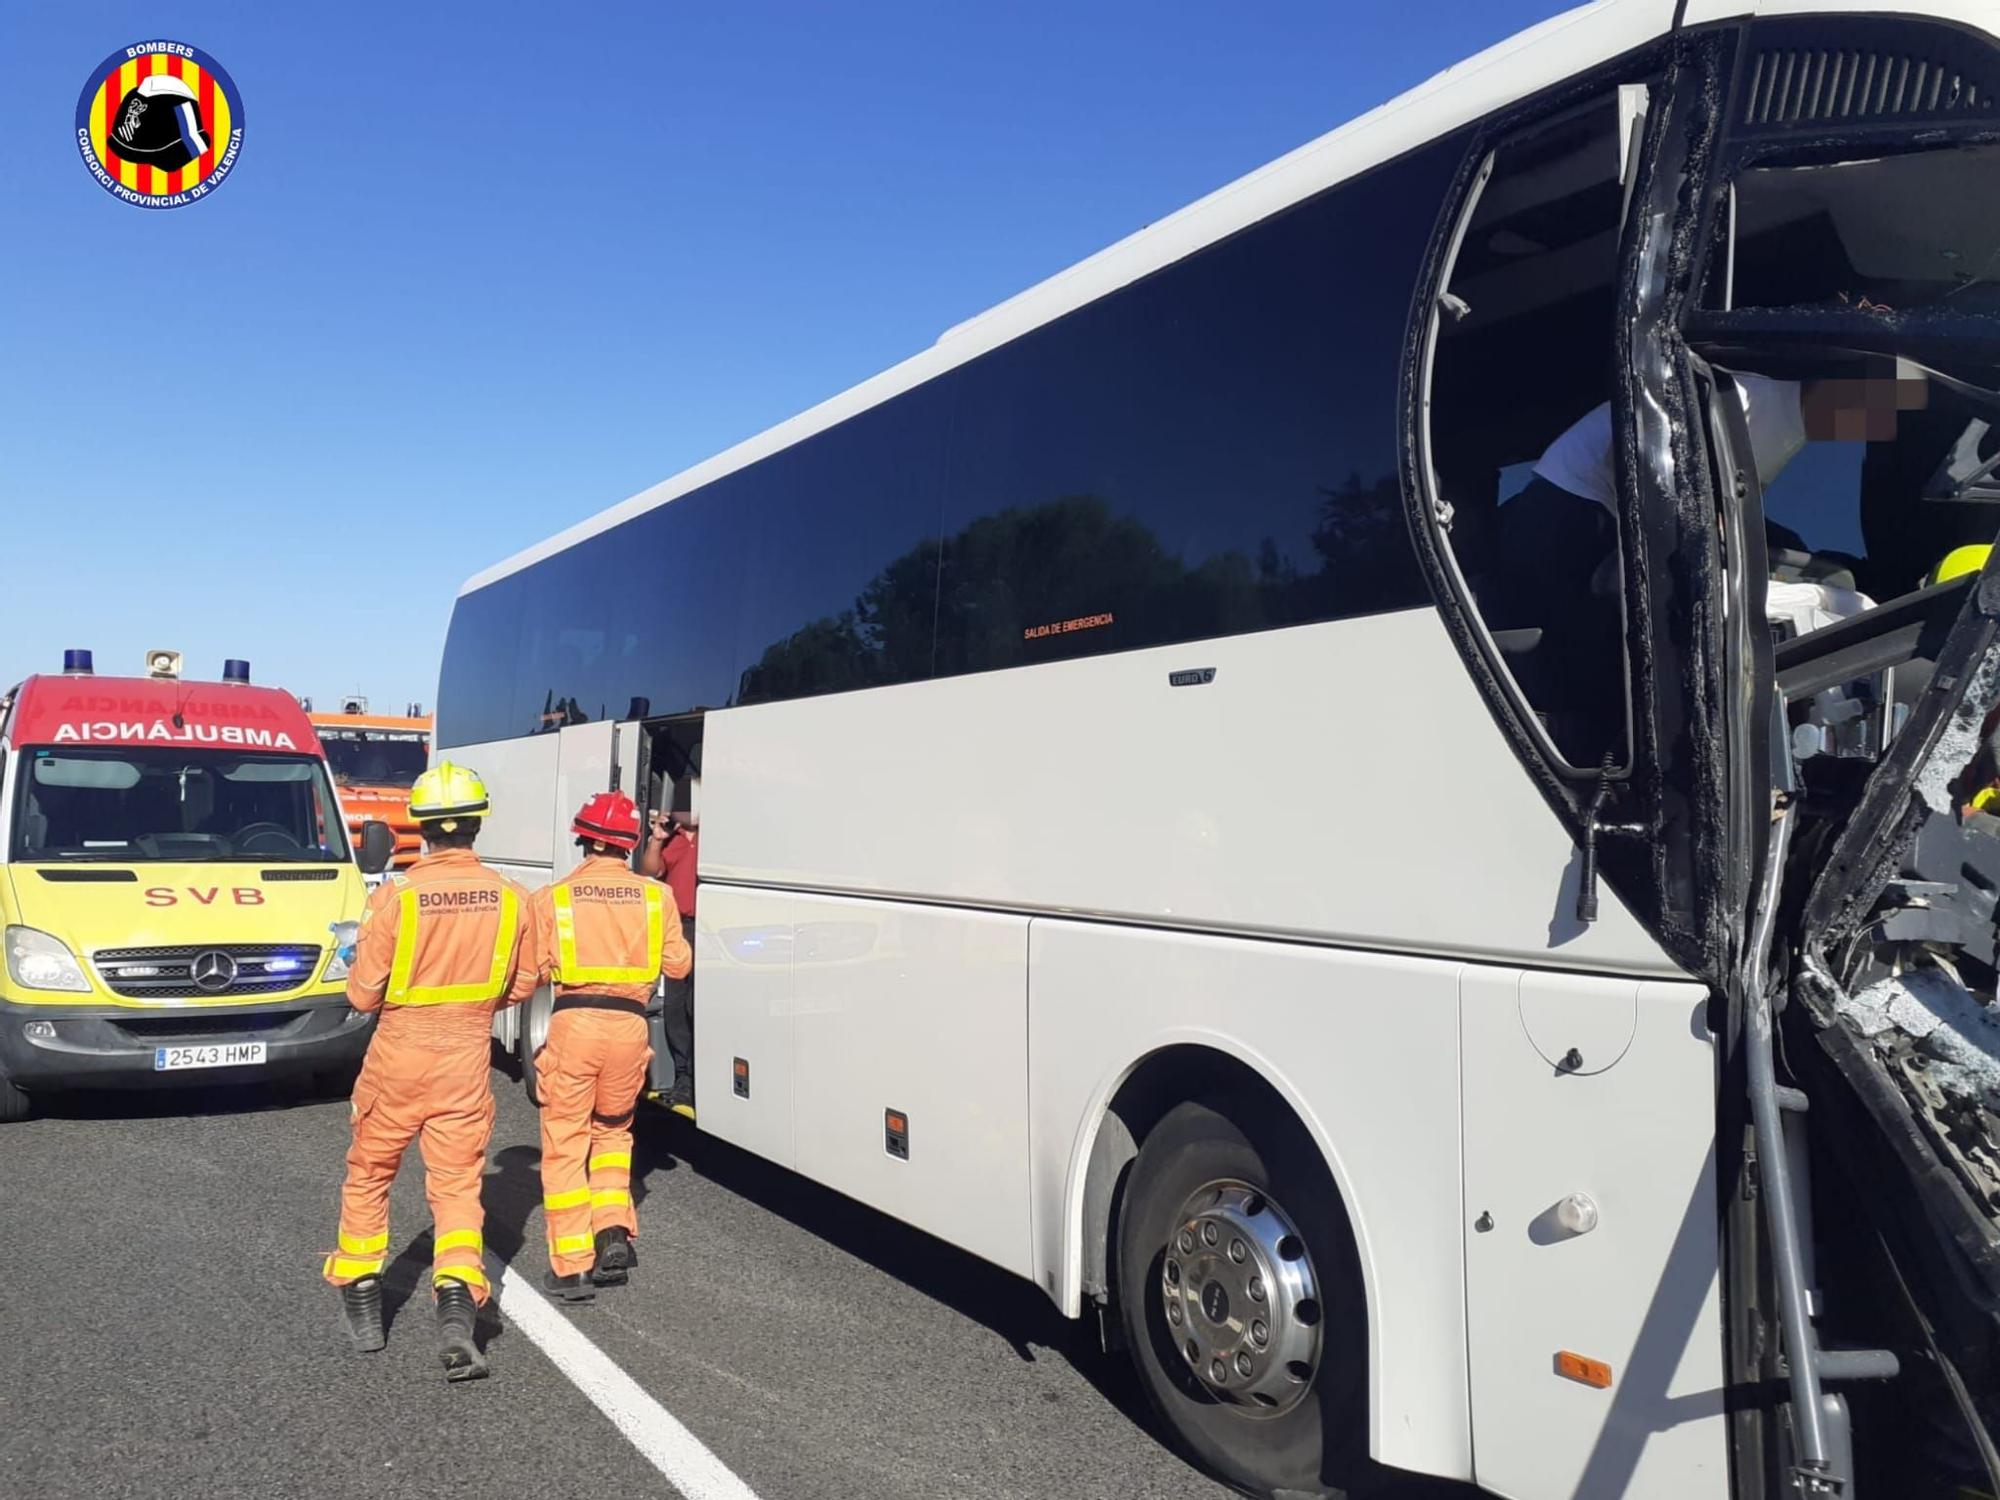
[658, 1435]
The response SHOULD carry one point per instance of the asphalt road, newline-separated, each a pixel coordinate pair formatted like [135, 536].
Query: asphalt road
[164, 1332]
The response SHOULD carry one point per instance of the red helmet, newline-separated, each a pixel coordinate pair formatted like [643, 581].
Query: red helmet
[608, 818]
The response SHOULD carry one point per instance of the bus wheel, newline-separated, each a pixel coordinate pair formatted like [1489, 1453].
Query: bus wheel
[535, 1013]
[1239, 1297]
[14, 1105]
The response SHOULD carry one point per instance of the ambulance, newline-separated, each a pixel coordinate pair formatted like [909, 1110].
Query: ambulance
[177, 885]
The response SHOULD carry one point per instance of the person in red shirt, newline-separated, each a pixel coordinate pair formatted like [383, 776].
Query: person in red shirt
[673, 851]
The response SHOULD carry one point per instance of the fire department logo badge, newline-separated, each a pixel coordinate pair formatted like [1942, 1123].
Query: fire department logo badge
[159, 124]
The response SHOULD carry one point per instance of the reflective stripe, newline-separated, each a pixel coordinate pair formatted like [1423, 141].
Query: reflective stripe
[402, 992]
[610, 1198]
[357, 1244]
[575, 1244]
[575, 1198]
[611, 1159]
[459, 1239]
[342, 1265]
[571, 972]
[465, 1274]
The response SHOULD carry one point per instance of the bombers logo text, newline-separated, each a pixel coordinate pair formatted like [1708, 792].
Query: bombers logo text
[159, 124]
[447, 901]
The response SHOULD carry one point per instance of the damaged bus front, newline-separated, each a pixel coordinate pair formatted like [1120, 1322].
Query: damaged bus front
[1769, 716]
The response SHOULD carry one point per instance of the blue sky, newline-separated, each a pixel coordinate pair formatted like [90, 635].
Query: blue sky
[481, 271]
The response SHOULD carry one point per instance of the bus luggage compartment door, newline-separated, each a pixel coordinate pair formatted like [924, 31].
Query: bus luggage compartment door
[1590, 1232]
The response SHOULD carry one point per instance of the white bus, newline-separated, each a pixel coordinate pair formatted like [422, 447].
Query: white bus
[1145, 847]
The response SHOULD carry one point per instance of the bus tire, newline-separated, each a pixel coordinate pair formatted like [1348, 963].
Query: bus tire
[535, 1013]
[14, 1105]
[1239, 1294]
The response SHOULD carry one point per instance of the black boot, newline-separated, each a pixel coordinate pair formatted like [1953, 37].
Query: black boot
[615, 1257]
[576, 1288]
[457, 1314]
[361, 1311]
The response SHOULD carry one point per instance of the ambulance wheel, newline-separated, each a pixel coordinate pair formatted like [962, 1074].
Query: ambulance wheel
[535, 1013]
[1239, 1292]
[14, 1105]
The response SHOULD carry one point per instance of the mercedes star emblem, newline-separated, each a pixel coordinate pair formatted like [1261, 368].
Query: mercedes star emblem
[214, 971]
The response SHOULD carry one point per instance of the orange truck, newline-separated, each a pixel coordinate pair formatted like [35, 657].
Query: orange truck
[375, 758]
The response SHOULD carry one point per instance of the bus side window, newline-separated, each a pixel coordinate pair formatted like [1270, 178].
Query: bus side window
[1520, 432]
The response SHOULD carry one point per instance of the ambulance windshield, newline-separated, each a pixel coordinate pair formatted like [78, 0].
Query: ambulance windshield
[153, 803]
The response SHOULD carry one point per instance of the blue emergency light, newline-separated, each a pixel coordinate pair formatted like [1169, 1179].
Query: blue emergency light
[77, 664]
[236, 670]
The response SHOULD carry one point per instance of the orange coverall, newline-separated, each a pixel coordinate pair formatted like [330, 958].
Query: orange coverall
[441, 949]
[603, 936]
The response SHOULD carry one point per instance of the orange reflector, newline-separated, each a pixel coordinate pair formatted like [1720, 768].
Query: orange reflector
[1581, 1368]
[897, 1122]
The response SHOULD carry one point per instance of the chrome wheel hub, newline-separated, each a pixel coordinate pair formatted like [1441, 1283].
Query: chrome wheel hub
[1241, 1300]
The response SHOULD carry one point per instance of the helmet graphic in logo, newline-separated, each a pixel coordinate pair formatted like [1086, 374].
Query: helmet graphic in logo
[160, 124]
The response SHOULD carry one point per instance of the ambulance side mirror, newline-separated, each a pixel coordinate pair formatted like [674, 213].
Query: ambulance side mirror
[378, 844]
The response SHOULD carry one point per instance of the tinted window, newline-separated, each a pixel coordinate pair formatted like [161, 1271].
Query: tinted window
[481, 665]
[1210, 451]
[837, 583]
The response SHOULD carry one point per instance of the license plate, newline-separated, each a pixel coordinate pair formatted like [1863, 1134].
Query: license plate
[214, 1055]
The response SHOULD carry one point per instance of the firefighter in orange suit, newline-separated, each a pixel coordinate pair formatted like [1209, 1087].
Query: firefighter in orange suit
[603, 936]
[440, 949]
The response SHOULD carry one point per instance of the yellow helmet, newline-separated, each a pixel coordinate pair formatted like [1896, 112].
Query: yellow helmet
[445, 793]
[1960, 561]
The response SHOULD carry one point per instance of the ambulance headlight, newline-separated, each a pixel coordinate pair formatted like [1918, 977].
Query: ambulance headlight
[36, 961]
[345, 936]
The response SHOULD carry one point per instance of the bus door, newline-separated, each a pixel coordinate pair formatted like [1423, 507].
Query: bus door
[662, 758]
[667, 754]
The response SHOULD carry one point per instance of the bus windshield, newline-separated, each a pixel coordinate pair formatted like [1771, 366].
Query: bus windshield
[374, 757]
[159, 804]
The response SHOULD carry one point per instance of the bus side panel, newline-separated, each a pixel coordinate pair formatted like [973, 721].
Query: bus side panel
[1365, 1048]
[521, 775]
[583, 768]
[1342, 781]
[923, 1012]
[743, 982]
[1580, 1086]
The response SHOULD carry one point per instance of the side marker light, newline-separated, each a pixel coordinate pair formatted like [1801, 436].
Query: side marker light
[1584, 1370]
